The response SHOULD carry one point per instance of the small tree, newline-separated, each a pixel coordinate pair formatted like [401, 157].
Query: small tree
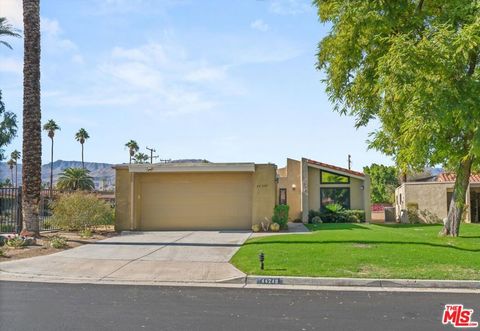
[75, 179]
[141, 158]
[384, 181]
[51, 127]
[132, 148]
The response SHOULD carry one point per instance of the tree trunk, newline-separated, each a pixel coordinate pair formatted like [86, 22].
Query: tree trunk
[83, 164]
[16, 175]
[11, 175]
[51, 170]
[32, 138]
[457, 204]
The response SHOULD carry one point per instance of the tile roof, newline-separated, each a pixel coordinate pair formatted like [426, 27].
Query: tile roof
[450, 177]
[335, 168]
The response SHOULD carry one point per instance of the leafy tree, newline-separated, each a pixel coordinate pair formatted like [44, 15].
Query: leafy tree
[383, 182]
[413, 65]
[51, 126]
[15, 156]
[141, 158]
[32, 126]
[81, 136]
[132, 148]
[7, 30]
[75, 179]
[8, 127]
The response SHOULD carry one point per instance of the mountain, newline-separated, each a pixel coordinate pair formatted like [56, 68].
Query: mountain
[103, 173]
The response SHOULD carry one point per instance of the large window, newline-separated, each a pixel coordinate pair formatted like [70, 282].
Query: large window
[282, 197]
[331, 178]
[335, 195]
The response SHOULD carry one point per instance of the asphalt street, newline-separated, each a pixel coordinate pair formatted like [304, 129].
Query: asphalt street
[46, 306]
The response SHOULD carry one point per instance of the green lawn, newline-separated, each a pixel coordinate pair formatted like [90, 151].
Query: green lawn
[366, 251]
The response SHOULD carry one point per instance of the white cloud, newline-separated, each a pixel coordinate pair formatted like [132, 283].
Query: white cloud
[207, 74]
[11, 65]
[259, 25]
[290, 7]
[53, 36]
[13, 11]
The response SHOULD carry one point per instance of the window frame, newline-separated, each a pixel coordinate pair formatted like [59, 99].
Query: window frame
[333, 173]
[337, 188]
[280, 196]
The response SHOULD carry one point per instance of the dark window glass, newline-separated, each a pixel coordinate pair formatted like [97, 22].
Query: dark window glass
[331, 178]
[335, 195]
[282, 197]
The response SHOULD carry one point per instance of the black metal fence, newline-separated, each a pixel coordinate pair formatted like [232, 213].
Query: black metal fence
[11, 209]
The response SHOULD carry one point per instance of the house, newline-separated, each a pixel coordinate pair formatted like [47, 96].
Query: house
[308, 185]
[194, 196]
[432, 198]
[229, 196]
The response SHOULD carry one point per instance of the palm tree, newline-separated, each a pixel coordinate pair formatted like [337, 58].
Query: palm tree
[81, 136]
[132, 147]
[15, 155]
[11, 163]
[141, 158]
[7, 29]
[73, 179]
[51, 127]
[32, 126]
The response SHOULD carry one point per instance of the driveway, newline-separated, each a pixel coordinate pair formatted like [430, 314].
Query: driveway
[180, 256]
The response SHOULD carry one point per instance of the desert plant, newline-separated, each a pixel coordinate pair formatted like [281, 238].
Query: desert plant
[16, 241]
[274, 227]
[80, 211]
[256, 227]
[58, 242]
[333, 208]
[85, 233]
[73, 179]
[280, 215]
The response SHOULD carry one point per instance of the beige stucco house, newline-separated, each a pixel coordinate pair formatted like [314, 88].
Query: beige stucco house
[434, 198]
[307, 185]
[194, 196]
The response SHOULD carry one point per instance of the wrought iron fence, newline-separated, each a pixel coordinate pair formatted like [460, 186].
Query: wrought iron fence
[11, 209]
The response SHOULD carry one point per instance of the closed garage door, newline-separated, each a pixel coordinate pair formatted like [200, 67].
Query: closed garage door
[196, 201]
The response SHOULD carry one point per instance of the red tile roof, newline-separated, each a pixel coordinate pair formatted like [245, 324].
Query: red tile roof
[335, 168]
[450, 177]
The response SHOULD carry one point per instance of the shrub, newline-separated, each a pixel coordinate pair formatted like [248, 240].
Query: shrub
[274, 227]
[333, 208]
[280, 215]
[2, 241]
[256, 228]
[342, 216]
[16, 241]
[58, 242]
[2, 252]
[80, 211]
[317, 220]
[86, 233]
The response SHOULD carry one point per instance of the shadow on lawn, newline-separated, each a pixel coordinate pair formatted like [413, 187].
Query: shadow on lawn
[360, 242]
[337, 226]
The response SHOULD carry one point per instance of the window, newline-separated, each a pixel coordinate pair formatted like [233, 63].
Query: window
[335, 195]
[282, 197]
[331, 178]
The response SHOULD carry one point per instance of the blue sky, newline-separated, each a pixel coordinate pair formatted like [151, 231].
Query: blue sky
[219, 80]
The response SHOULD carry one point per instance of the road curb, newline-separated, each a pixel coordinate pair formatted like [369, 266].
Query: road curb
[363, 282]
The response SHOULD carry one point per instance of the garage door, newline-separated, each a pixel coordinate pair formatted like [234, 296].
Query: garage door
[196, 201]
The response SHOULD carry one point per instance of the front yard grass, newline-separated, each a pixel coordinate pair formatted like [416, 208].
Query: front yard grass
[367, 251]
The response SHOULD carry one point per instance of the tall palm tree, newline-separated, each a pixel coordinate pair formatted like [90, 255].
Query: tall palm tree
[32, 126]
[51, 127]
[7, 29]
[74, 179]
[11, 163]
[81, 136]
[15, 155]
[132, 147]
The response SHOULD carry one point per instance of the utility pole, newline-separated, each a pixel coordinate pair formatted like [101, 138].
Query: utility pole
[349, 162]
[151, 154]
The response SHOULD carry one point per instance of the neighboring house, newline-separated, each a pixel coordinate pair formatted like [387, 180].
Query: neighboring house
[433, 198]
[194, 196]
[308, 185]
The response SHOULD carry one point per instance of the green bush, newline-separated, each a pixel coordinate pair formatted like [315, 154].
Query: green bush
[58, 242]
[342, 216]
[16, 241]
[280, 215]
[80, 211]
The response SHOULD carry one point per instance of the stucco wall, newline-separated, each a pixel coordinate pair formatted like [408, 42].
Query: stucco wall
[290, 179]
[264, 192]
[122, 199]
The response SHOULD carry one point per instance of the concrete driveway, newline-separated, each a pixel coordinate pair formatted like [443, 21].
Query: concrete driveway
[183, 256]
